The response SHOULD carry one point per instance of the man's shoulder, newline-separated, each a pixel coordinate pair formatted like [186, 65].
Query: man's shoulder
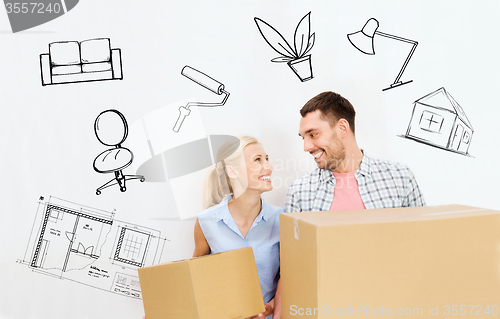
[310, 178]
[377, 165]
[273, 209]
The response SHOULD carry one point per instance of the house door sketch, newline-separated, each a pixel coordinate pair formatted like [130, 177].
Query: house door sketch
[459, 132]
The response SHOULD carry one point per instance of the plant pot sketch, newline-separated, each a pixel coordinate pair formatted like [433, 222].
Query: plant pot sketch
[295, 57]
[302, 67]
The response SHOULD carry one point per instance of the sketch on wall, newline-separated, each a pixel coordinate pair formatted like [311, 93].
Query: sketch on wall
[74, 242]
[296, 57]
[111, 129]
[438, 120]
[208, 83]
[182, 159]
[27, 15]
[363, 40]
[85, 61]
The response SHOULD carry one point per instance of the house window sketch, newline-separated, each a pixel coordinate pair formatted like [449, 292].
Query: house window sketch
[73, 242]
[439, 121]
[86, 61]
[431, 122]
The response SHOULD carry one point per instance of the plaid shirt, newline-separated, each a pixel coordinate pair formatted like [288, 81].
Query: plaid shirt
[381, 184]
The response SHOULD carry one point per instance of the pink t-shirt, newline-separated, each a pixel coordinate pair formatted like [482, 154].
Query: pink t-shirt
[346, 194]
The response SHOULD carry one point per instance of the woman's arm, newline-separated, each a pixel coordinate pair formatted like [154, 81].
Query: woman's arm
[201, 247]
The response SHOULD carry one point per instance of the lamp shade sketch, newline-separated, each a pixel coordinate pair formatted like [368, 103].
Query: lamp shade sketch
[208, 83]
[438, 120]
[364, 41]
[27, 15]
[111, 129]
[296, 57]
[86, 61]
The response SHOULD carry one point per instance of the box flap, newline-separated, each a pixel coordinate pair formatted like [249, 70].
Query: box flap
[386, 215]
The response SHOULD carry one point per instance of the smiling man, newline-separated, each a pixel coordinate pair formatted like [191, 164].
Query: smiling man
[346, 178]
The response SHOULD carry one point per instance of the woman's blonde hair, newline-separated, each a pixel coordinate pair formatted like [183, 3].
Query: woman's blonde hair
[217, 184]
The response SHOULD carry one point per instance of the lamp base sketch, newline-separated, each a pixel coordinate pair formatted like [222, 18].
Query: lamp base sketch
[208, 83]
[85, 61]
[75, 243]
[395, 85]
[439, 121]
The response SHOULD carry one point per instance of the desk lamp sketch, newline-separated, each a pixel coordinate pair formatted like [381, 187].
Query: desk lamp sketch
[363, 41]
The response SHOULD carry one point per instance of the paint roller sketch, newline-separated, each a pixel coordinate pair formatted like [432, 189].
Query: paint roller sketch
[208, 83]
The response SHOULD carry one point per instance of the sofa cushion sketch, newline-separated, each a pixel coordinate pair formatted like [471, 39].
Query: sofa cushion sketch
[438, 120]
[85, 61]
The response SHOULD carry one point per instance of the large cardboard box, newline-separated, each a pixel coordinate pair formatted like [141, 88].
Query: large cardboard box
[219, 286]
[422, 262]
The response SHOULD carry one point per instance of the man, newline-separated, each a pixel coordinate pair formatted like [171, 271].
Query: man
[346, 178]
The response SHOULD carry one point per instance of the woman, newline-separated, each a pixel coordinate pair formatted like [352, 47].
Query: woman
[236, 216]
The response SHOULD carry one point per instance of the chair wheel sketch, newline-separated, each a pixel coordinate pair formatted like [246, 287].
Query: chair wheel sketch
[111, 129]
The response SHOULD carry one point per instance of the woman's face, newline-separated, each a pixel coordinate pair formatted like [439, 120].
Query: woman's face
[258, 169]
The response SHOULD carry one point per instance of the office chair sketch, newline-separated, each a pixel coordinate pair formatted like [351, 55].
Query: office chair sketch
[111, 129]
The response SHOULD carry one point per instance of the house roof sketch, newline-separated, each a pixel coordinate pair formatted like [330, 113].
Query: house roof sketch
[441, 99]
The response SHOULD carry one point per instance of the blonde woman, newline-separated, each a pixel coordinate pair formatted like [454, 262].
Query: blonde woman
[237, 217]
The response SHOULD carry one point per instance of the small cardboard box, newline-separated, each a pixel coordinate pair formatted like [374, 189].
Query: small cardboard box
[219, 286]
[422, 262]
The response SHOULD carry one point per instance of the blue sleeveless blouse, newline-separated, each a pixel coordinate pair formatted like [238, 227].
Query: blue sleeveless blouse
[222, 234]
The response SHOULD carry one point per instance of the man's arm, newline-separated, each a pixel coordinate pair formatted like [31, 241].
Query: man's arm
[414, 196]
[291, 202]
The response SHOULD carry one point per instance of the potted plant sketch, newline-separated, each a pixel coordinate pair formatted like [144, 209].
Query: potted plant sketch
[295, 57]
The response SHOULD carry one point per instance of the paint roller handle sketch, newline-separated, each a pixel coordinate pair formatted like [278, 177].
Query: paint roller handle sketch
[208, 83]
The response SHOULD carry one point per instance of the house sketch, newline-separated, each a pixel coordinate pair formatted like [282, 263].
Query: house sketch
[73, 242]
[439, 121]
[85, 61]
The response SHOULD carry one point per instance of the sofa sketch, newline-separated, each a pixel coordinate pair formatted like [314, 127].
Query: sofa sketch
[85, 61]
[439, 121]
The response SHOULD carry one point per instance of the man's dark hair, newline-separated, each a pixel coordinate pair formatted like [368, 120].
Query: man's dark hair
[333, 107]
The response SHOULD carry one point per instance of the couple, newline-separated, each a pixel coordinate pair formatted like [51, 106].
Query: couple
[236, 216]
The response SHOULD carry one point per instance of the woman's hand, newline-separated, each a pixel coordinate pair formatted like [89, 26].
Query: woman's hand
[269, 310]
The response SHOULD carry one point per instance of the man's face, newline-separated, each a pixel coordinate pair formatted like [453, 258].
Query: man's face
[321, 141]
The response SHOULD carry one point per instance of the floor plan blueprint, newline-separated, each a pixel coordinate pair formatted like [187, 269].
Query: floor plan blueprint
[89, 246]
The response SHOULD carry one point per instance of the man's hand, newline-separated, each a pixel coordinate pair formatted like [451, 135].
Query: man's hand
[269, 310]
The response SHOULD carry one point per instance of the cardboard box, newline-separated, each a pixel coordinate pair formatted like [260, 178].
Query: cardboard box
[219, 286]
[425, 262]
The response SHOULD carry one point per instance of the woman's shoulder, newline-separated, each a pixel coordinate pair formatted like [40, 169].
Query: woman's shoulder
[213, 210]
[274, 210]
